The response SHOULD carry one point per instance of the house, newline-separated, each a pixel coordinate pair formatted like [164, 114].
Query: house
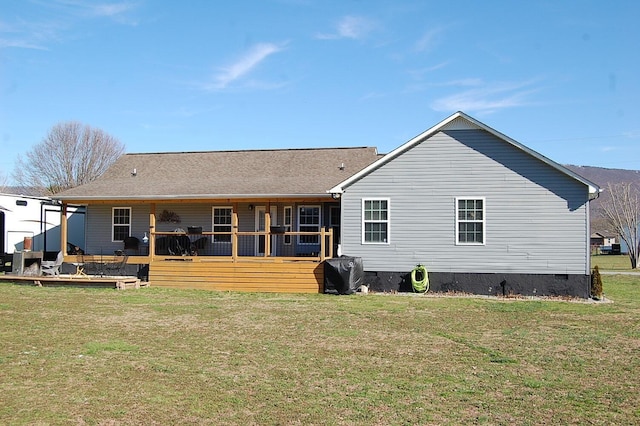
[482, 212]
[602, 244]
[257, 220]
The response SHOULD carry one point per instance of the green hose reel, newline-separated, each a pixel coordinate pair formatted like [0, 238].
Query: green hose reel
[420, 279]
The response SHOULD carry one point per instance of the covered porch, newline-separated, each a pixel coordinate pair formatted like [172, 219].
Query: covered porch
[240, 245]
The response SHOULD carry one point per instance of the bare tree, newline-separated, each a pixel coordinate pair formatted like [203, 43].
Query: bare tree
[4, 179]
[622, 212]
[71, 154]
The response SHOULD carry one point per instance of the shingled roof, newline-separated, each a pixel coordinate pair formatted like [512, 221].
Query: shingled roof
[225, 174]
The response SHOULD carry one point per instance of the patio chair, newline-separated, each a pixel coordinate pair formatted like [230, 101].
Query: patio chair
[52, 267]
[79, 264]
[117, 267]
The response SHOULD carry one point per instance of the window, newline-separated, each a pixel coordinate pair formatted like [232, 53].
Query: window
[470, 221]
[375, 218]
[222, 223]
[121, 223]
[288, 222]
[309, 221]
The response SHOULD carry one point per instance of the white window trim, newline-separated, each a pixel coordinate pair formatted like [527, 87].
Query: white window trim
[113, 225]
[287, 224]
[483, 221]
[388, 221]
[213, 224]
[300, 243]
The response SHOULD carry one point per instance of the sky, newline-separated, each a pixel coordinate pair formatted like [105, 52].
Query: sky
[561, 77]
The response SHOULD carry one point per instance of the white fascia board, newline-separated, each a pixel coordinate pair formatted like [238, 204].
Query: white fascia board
[189, 197]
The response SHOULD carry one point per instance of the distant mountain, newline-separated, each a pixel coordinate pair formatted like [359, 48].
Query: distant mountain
[602, 177]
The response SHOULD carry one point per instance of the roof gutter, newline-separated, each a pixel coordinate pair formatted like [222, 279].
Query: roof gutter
[187, 197]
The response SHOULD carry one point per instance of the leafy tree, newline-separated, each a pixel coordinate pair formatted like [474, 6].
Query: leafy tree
[622, 212]
[70, 155]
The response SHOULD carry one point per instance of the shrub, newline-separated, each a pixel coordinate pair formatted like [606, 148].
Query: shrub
[596, 283]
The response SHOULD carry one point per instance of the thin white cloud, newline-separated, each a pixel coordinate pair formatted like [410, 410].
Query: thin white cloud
[116, 11]
[353, 27]
[419, 73]
[244, 65]
[21, 44]
[428, 39]
[105, 9]
[632, 134]
[62, 16]
[24, 34]
[487, 98]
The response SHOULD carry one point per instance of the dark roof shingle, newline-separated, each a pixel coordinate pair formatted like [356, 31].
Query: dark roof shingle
[291, 172]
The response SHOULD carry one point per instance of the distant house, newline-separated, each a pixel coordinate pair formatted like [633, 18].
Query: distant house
[601, 243]
[484, 213]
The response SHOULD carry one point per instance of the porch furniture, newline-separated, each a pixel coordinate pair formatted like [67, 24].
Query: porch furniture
[79, 264]
[174, 245]
[52, 267]
[117, 267]
[24, 261]
[131, 244]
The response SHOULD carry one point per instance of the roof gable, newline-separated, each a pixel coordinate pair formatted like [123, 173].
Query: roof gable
[460, 121]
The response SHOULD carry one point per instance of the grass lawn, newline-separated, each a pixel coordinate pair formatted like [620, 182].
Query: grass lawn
[159, 356]
[607, 262]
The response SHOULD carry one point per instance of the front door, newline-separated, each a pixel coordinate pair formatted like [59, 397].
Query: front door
[260, 227]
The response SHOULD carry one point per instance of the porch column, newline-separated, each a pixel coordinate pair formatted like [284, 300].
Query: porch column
[152, 231]
[234, 233]
[267, 230]
[63, 229]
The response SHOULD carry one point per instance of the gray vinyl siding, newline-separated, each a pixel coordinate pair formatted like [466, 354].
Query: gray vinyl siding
[536, 216]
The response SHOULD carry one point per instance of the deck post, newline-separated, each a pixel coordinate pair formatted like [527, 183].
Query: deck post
[267, 230]
[330, 243]
[234, 233]
[322, 243]
[152, 231]
[63, 229]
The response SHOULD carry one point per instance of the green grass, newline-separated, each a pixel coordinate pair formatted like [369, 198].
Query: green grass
[607, 262]
[159, 356]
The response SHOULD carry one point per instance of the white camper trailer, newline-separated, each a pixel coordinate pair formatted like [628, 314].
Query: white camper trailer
[35, 221]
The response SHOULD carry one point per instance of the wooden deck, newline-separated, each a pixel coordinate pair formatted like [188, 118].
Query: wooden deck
[118, 282]
[255, 275]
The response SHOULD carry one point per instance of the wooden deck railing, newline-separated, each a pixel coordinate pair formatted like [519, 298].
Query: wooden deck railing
[239, 245]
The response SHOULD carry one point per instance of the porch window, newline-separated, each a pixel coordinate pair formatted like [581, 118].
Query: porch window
[309, 221]
[222, 223]
[375, 218]
[470, 219]
[288, 222]
[120, 223]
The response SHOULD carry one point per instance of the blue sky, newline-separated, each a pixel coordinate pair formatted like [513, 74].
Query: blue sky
[562, 77]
